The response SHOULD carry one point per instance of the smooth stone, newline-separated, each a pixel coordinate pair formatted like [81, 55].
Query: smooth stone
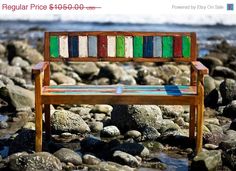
[230, 110]
[110, 131]
[90, 159]
[167, 71]
[112, 166]
[209, 84]
[91, 144]
[125, 159]
[154, 145]
[150, 133]
[214, 121]
[29, 125]
[229, 141]
[5, 80]
[168, 125]
[221, 71]
[96, 126]
[99, 116]
[19, 62]
[228, 90]
[61, 78]
[171, 111]
[212, 99]
[210, 146]
[151, 80]
[3, 125]
[102, 109]
[10, 71]
[133, 134]
[180, 80]
[68, 156]
[127, 80]
[74, 75]
[2, 50]
[85, 69]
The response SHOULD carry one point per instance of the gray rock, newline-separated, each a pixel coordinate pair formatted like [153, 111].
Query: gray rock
[133, 134]
[68, 156]
[229, 141]
[2, 50]
[127, 80]
[3, 125]
[10, 71]
[113, 72]
[3, 103]
[66, 121]
[211, 62]
[211, 100]
[151, 80]
[110, 131]
[169, 111]
[127, 117]
[224, 72]
[150, 133]
[99, 116]
[215, 136]
[38, 161]
[19, 98]
[111, 166]
[180, 80]
[125, 159]
[19, 81]
[60, 78]
[228, 90]
[230, 110]
[90, 159]
[209, 84]
[233, 125]
[91, 144]
[22, 49]
[102, 109]
[165, 72]
[19, 62]
[29, 125]
[75, 76]
[6, 80]
[207, 160]
[85, 69]
[101, 81]
[168, 126]
[133, 149]
[96, 126]
[229, 158]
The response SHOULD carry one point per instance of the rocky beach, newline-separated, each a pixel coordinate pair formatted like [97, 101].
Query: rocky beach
[118, 137]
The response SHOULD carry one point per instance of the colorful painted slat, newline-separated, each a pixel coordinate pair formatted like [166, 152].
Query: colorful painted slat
[186, 44]
[167, 46]
[138, 46]
[177, 46]
[63, 46]
[92, 46]
[128, 46]
[73, 43]
[157, 46]
[148, 46]
[102, 46]
[83, 46]
[54, 46]
[120, 46]
[111, 46]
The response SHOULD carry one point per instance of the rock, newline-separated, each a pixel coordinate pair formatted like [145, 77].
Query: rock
[213, 121]
[210, 146]
[101, 81]
[233, 125]
[224, 72]
[96, 126]
[209, 84]
[2, 50]
[90, 159]
[18, 97]
[211, 62]
[230, 110]
[133, 134]
[19, 81]
[102, 109]
[229, 158]
[10, 71]
[229, 141]
[38, 161]
[154, 145]
[110, 131]
[207, 160]
[68, 156]
[168, 125]
[111, 166]
[127, 117]
[5, 80]
[215, 136]
[29, 125]
[171, 111]
[211, 100]
[180, 80]
[91, 144]
[60, 78]
[166, 71]
[99, 116]
[232, 65]
[22, 49]
[133, 149]
[150, 133]
[151, 80]
[85, 69]
[228, 90]
[216, 37]
[19, 62]
[127, 80]
[125, 159]
[66, 121]
[3, 125]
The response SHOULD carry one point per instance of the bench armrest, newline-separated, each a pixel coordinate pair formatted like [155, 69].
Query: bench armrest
[199, 67]
[40, 67]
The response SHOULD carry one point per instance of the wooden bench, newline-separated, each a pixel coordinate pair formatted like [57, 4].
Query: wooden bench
[120, 47]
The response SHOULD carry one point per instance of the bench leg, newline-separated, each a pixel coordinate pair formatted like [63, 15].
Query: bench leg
[200, 116]
[192, 122]
[47, 122]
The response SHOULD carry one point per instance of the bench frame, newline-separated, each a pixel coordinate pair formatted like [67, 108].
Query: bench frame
[41, 73]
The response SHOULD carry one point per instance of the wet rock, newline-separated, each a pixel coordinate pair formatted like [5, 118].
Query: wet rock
[229, 158]
[38, 161]
[133, 134]
[127, 117]
[102, 109]
[154, 145]
[19, 62]
[230, 110]
[60, 78]
[66, 121]
[211, 100]
[18, 97]
[85, 69]
[96, 126]
[10, 71]
[113, 72]
[22, 49]
[210, 146]
[228, 90]
[125, 159]
[224, 72]
[92, 144]
[150, 133]
[171, 111]
[68, 156]
[110, 131]
[90, 159]
[207, 160]
[233, 125]
[133, 149]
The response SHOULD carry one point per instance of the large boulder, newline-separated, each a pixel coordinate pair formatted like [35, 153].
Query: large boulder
[87, 69]
[22, 49]
[66, 121]
[67, 155]
[125, 159]
[61, 78]
[18, 97]
[127, 117]
[228, 90]
[224, 72]
[39, 161]
[230, 110]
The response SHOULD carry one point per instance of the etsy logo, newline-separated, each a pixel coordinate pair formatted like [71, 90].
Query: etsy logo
[230, 7]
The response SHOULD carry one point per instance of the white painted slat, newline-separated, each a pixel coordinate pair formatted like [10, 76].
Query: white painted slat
[111, 46]
[128, 46]
[83, 46]
[63, 46]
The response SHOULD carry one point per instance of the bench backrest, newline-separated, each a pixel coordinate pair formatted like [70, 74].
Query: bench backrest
[120, 46]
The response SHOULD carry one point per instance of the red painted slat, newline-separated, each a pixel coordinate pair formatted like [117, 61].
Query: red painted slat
[102, 46]
[177, 46]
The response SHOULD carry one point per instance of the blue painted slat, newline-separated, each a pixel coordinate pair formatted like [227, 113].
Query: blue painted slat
[73, 46]
[148, 46]
[157, 46]
[92, 46]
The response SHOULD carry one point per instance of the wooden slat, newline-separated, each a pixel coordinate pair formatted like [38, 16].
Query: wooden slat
[54, 46]
[111, 46]
[148, 46]
[73, 46]
[92, 46]
[186, 43]
[167, 46]
[199, 67]
[177, 46]
[138, 46]
[83, 46]
[63, 46]
[157, 46]
[120, 46]
[102, 46]
[128, 46]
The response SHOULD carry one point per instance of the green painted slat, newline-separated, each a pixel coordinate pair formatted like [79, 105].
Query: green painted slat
[186, 45]
[167, 43]
[120, 46]
[138, 46]
[54, 46]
